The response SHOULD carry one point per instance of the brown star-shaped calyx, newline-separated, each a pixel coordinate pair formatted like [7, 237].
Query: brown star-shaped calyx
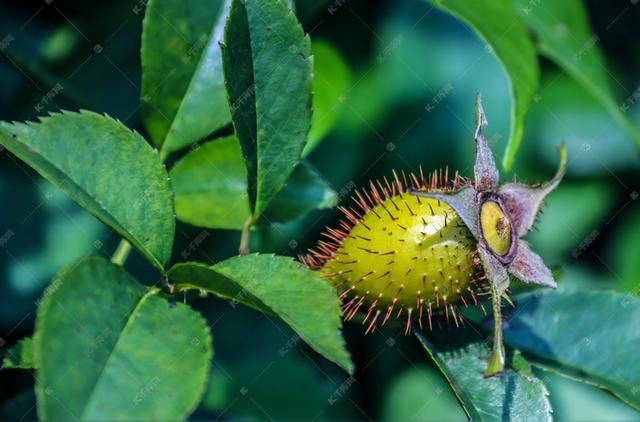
[498, 216]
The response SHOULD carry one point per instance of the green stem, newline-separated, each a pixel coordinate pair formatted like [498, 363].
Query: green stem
[244, 237]
[163, 154]
[121, 253]
[496, 361]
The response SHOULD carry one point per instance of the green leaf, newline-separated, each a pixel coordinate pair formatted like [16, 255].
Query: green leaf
[589, 335]
[19, 356]
[183, 94]
[331, 80]
[106, 347]
[623, 253]
[508, 396]
[105, 167]
[210, 185]
[562, 28]
[496, 22]
[275, 285]
[267, 65]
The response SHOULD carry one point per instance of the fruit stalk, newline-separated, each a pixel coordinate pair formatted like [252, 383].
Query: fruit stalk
[245, 237]
[122, 252]
[495, 365]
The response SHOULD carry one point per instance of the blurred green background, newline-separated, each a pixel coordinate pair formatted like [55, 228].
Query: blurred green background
[397, 85]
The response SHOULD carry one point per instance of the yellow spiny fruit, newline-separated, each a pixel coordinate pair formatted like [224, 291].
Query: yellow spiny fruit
[428, 248]
[399, 253]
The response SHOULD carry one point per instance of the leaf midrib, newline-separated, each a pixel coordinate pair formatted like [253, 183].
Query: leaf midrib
[107, 363]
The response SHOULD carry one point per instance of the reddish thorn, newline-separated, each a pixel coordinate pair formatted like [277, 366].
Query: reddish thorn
[389, 310]
[346, 292]
[463, 300]
[383, 190]
[390, 187]
[355, 309]
[397, 180]
[373, 321]
[473, 296]
[371, 308]
[455, 318]
[408, 328]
